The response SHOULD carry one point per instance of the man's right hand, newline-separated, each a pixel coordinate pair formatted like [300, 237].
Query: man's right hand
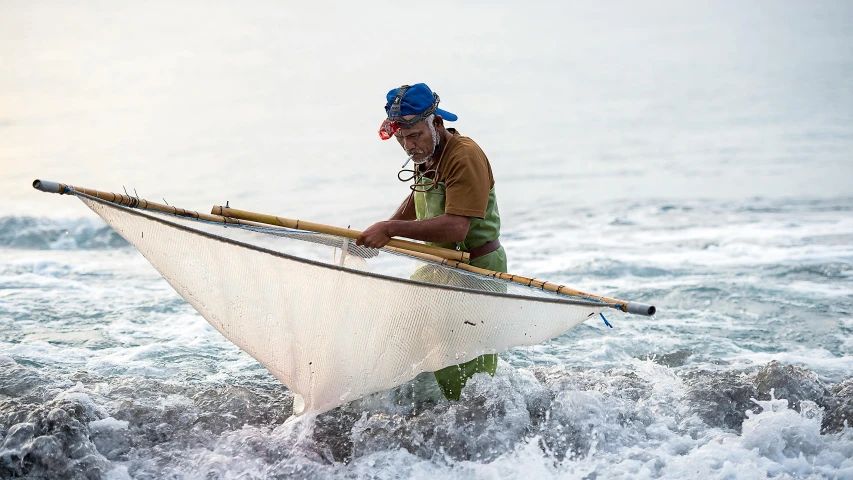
[376, 236]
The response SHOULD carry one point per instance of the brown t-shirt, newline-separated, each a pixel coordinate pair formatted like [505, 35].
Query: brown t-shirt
[465, 170]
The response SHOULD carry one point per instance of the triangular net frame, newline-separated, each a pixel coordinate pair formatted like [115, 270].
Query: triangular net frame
[333, 321]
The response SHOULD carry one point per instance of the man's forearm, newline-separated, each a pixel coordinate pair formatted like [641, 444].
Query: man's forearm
[442, 229]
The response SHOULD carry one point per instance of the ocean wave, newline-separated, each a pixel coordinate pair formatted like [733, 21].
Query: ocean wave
[776, 419]
[34, 233]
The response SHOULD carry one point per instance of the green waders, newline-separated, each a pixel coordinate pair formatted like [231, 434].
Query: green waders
[431, 204]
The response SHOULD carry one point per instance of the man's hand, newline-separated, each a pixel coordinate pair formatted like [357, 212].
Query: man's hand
[445, 228]
[376, 236]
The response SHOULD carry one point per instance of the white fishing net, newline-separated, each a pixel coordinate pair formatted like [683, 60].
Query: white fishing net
[333, 321]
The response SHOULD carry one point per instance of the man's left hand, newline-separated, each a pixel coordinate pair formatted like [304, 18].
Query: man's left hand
[376, 236]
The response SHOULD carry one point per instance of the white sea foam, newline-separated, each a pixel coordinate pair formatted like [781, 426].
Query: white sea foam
[108, 423]
[817, 360]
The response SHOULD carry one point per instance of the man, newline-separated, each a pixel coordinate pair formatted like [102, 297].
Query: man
[452, 200]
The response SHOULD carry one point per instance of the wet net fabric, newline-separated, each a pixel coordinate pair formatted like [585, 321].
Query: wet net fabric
[333, 321]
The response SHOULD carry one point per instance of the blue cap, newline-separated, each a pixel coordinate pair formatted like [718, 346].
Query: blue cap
[417, 99]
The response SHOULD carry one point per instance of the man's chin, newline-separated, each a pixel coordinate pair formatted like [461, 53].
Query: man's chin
[421, 160]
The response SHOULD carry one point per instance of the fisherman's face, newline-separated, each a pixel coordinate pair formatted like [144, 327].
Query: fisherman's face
[417, 141]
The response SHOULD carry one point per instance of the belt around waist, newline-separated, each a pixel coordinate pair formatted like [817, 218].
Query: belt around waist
[484, 249]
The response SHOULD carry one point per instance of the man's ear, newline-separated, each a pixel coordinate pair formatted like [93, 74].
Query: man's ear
[438, 121]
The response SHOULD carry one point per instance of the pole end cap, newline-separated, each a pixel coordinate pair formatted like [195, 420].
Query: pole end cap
[641, 309]
[48, 186]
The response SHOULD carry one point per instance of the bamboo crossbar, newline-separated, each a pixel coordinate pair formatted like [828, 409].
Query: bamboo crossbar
[623, 305]
[444, 253]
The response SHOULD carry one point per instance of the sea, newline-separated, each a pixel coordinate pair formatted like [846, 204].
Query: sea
[697, 156]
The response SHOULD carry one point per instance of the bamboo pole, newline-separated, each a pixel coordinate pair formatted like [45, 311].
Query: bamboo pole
[623, 305]
[444, 253]
[134, 202]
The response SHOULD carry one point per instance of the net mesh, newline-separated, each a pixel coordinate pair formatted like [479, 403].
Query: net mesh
[331, 320]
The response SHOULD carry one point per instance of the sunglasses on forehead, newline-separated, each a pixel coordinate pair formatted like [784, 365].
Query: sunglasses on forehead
[395, 120]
